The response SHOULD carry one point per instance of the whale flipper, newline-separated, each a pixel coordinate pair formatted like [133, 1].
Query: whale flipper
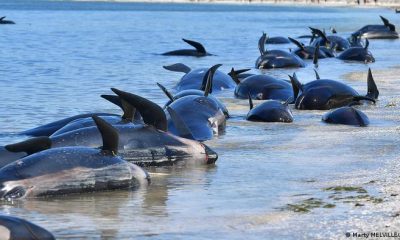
[199, 47]
[180, 125]
[151, 113]
[128, 109]
[178, 67]
[366, 44]
[30, 146]
[373, 91]
[109, 136]
[317, 75]
[297, 43]
[165, 90]
[388, 24]
[206, 85]
[250, 101]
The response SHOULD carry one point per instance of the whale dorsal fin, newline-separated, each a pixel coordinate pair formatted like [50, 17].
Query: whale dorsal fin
[316, 75]
[2, 18]
[208, 79]
[240, 71]
[128, 109]
[296, 85]
[151, 113]
[297, 43]
[250, 101]
[315, 57]
[165, 90]
[261, 43]
[179, 124]
[30, 146]
[366, 44]
[199, 47]
[319, 33]
[373, 91]
[234, 76]
[178, 67]
[109, 135]
[388, 24]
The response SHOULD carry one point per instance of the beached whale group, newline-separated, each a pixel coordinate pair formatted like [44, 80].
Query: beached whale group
[103, 151]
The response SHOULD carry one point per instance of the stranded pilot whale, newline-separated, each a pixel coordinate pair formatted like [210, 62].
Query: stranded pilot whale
[74, 169]
[199, 50]
[276, 58]
[51, 128]
[324, 94]
[332, 41]
[209, 76]
[385, 31]
[194, 79]
[130, 115]
[361, 54]
[309, 52]
[13, 228]
[270, 111]
[346, 115]
[145, 144]
[262, 87]
[197, 117]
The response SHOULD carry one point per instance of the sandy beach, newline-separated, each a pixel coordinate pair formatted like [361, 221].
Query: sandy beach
[325, 3]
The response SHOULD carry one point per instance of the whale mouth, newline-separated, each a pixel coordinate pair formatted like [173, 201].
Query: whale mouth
[212, 156]
[14, 193]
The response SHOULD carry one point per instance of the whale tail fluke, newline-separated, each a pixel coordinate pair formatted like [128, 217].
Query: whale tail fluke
[151, 113]
[30, 146]
[178, 67]
[109, 135]
[373, 91]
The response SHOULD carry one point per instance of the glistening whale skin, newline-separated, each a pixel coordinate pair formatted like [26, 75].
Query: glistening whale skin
[74, 169]
[14, 228]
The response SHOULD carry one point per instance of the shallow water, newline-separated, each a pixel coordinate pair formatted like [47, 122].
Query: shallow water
[60, 56]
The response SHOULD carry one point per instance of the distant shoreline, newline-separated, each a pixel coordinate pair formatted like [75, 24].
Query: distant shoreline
[322, 3]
